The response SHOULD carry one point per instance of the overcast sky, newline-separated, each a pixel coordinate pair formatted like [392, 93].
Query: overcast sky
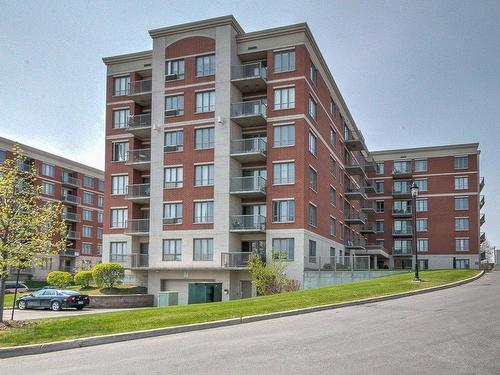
[413, 73]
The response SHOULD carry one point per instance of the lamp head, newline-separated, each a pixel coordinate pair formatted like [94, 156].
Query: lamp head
[414, 190]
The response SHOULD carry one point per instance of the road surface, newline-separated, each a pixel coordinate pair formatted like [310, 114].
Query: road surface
[42, 313]
[453, 331]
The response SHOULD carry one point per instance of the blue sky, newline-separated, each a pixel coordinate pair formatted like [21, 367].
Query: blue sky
[413, 73]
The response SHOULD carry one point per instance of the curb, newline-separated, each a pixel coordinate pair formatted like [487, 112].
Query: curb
[107, 339]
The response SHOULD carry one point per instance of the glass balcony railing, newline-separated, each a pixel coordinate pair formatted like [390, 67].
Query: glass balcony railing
[248, 223]
[137, 226]
[247, 71]
[138, 191]
[140, 87]
[248, 146]
[248, 184]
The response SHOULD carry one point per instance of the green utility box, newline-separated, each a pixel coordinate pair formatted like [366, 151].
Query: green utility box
[204, 292]
[169, 298]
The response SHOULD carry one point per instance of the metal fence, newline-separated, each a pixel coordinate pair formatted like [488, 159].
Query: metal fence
[337, 263]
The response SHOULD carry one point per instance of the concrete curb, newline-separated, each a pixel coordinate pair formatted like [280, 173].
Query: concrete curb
[107, 339]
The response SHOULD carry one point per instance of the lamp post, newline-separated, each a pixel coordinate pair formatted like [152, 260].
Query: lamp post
[414, 194]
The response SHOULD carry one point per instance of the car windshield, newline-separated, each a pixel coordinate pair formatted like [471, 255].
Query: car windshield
[69, 292]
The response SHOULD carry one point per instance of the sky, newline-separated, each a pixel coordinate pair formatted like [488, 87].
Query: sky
[413, 73]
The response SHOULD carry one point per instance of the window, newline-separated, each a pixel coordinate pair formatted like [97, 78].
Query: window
[313, 217]
[402, 167]
[284, 98]
[47, 170]
[333, 196]
[284, 135]
[333, 136]
[461, 162]
[120, 118]
[462, 263]
[119, 184]
[401, 207]
[205, 101]
[88, 181]
[461, 203]
[422, 204]
[204, 212]
[461, 183]
[312, 144]
[88, 198]
[86, 248]
[333, 226]
[462, 244]
[119, 217]
[117, 251]
[172, 250]
[47, 188]
[284, 247]
[204, 175]
[284, 61]
[421, 225]
[100, 185]
[172, 213]
[423, 264]
[283, 173]
[461, 223]
[99, 233]
[204, 138]
[312, 251]
[332, 166]
[313, 108]
[120, 150]
[401, 187]
[379, 206]
[203, 249]
[379, 167]
[173, 177]
[100, 201]
[86, 231]
[205, 65]
[333, 107]
[121, 86]
[174, 105]
[284, 211]
[420, 165]
[379, 186]
[87, 215]
[422, 185]
[173, 141]
[2, 156]
[379, 226]
[313, 179]
[175, 67]
[313, 73]
[99, 249]
[100, 217]
[422, 244]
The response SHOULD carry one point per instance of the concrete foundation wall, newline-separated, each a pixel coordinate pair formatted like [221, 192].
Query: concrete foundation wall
[315, 279]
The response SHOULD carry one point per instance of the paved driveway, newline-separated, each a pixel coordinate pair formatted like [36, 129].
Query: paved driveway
[453, 331]
[39, 314]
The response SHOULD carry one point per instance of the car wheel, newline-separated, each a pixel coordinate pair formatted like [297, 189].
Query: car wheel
[21, 305]
[55, 306]
[79, 307]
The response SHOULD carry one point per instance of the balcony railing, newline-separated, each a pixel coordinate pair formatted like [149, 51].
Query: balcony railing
[483, 219]
[71, 216]
[248, 146]
[71, 199]
[481, 184]
[238, 259]
[482, 237]
[137, 226]
[402, 170]
[402, 251]
[249, 77]
[367, 228]
[139, 121]
[481, 204]
[138, 191]
[250, 113]
[248, 223]
[73, 235]
[140, 87]
[402, 211]
[355, 218]
[355, 243]
[139, 158]
[70, 180]
[339, 263]
[69, 253]
[354, 142]
[248, 185]
[130, 260]
[402, 231]
[354, 192]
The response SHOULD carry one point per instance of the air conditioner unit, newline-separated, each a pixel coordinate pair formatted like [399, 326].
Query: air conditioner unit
[172, 112]
[171, 77]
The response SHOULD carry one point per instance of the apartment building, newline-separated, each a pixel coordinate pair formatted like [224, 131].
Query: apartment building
[81, 190]
[221, 144]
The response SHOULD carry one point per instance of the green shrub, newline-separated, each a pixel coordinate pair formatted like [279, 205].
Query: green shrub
[59, 278]
[108, 274]
[84, 278]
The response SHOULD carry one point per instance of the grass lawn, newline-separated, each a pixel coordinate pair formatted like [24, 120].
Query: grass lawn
[56, 329]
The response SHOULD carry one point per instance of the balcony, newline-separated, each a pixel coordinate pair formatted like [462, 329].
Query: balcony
[367, 228]
[367, 206]
[402, 192]
[482, 237]
[481, 184]
[356, 243]
[355, 193]
[354, 141]
[139, 159]
[247, 224]
[249, 114]
[137, 227]
[130, 260]
[71, 199]
[72, 235]
[69, 253]
[249, 77]
[248, 186]
[140, 91]
[402, 232]
[138, 193]
[70, 181]
[355, 218]
[402, 171]
[401, 212]
[140, 125]
[481, 204]
[370, 188]
[238, 259]
[483, 220]
[402, 252]
[71, 216]
[250, 150]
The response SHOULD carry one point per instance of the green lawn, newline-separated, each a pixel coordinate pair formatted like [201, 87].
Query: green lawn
[56, 329]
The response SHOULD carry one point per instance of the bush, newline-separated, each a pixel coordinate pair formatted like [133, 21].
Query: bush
[84, 278]
[108, 274]
[59, 278]
[270, 277]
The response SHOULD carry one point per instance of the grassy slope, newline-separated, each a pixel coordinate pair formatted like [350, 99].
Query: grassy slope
[100, 324]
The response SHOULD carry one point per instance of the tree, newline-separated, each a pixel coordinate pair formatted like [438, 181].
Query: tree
[59, 278]
[270, 277]
[108, 274]
[84, 278]
[29, 228]
[489, 251]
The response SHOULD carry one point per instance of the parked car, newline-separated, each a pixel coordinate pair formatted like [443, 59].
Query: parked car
[54, 299]
[10, 287]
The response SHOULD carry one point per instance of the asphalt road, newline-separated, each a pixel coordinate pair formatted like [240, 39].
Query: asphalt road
[42, 313]
[454, 331]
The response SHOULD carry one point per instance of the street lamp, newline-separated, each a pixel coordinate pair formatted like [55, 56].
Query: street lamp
[414, 194]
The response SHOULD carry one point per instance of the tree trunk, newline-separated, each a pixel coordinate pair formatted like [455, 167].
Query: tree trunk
[2, 294]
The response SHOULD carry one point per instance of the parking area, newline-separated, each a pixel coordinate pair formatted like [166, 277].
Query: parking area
[41, 314]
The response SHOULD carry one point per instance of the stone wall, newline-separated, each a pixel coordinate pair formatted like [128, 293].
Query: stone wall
[121, 301]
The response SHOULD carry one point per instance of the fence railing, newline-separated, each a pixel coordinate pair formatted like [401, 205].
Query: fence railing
[248, 222]
[249, 145]
[337, 263]
[250, 108]
[252, 70]
[238, 259]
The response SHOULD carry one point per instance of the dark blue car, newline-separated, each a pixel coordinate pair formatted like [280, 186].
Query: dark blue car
[54, 299]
